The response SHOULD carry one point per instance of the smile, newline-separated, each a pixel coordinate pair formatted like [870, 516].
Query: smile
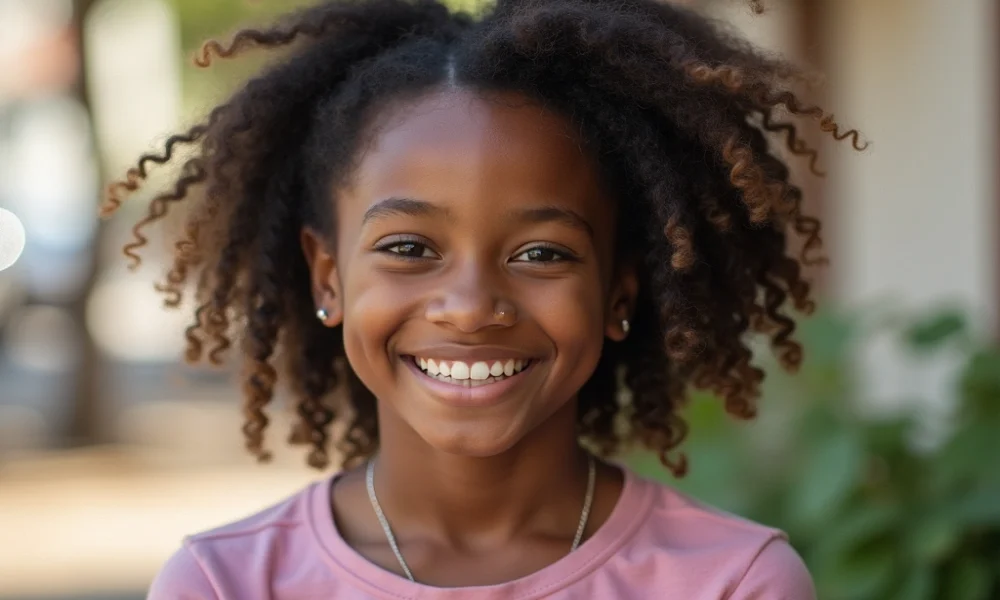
[470, 374]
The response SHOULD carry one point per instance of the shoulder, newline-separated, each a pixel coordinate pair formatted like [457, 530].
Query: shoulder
[777, 573]
[744, 559]
[212, 564]
[182, 577]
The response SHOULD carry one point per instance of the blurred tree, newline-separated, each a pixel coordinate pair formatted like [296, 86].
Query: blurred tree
[876, 511]
[200, 21]
[85, 413]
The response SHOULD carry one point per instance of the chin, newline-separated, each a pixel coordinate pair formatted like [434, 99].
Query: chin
[481, 441]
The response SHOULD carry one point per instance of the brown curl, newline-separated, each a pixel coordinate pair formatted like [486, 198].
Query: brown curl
[681, 118]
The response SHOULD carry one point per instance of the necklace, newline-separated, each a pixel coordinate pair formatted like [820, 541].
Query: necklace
[588, 500]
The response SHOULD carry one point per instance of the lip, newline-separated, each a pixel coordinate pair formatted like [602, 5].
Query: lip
[467, 397]
[468, 354]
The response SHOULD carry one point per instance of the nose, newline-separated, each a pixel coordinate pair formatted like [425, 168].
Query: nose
[471, 298]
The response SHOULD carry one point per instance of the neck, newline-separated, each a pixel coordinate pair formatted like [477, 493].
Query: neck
[475, 499]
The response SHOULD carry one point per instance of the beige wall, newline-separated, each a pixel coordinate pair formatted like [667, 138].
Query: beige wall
[916, 213]
[912, 222]
[774, 31]
[915, 216]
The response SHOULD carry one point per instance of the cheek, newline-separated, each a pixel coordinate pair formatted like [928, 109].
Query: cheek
[571, 313]
[373, 312]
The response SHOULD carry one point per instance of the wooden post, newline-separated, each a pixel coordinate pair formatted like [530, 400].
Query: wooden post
[85, 425]
[996, 168]
[810, 42]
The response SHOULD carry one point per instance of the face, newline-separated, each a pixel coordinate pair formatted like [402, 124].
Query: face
[474, 270]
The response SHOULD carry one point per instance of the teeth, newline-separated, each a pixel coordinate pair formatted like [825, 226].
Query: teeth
[508, 367]
[459, 370]
[479, 371]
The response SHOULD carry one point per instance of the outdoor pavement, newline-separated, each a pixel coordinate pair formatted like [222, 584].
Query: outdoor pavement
[97, 523]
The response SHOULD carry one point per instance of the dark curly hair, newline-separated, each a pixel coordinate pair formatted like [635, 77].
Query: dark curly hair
[678, 114]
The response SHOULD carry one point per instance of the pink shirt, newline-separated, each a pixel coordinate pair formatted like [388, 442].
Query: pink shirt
[657, 543]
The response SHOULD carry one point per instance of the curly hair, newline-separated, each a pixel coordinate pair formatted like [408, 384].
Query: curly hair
[682, 118]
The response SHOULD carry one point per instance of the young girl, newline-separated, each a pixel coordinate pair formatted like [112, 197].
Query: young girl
[485, 251]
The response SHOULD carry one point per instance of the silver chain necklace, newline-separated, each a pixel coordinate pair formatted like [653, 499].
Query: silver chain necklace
[370, 481]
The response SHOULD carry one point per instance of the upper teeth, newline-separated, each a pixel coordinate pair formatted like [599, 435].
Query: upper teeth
[480, 370]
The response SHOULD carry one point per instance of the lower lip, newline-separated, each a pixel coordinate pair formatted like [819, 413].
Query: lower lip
[461, 396]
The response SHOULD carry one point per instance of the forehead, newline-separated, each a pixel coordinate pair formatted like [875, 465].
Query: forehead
[483, 145]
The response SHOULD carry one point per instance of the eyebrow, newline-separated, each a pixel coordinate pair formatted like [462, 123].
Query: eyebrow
[548, 214]
[422, 208]
[403, 206]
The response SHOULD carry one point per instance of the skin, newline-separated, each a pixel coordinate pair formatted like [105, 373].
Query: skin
[501, 210]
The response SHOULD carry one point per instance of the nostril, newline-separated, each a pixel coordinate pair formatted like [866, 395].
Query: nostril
[470, 301]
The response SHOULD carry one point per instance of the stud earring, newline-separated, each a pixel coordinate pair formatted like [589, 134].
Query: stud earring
[625, 326]
[322, 315]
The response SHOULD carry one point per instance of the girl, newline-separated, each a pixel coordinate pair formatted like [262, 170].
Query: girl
[455, 240]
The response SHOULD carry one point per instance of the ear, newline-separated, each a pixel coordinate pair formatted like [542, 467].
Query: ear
[621, 302]
[326, 287]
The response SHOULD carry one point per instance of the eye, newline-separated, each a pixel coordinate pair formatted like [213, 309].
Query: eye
[407, 249]
[542, 254]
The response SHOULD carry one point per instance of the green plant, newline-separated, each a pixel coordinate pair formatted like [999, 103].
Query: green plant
[876, 512]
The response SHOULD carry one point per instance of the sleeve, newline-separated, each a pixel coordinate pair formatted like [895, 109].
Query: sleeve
[777, 573]
[182, 578]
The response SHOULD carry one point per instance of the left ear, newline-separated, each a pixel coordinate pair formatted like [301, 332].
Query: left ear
[621, 302]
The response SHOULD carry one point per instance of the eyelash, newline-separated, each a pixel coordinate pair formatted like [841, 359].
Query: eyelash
[559, 254]
[387, 248]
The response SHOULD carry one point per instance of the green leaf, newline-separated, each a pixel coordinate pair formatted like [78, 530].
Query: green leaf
[969, 579]
[935, 330]
[706, 417]
[980, 384]
[831, 471]
[889, 436]
[855, 530]
[980, 507]
[918, 585]
[932, 538]
[828, 337]
[717, 477]
[647, 465]
[963, 456]
[859, 576]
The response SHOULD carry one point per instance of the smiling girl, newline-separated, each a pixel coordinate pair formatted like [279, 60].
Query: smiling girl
[482, 252]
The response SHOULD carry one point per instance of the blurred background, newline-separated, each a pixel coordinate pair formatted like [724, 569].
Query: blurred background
[879, 458]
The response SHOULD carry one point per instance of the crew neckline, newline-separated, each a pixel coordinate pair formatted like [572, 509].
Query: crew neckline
[631, 509]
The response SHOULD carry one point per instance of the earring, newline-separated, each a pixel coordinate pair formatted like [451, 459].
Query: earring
[322, 315]
[625, 326]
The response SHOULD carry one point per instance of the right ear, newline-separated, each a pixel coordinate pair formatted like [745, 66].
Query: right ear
[325, 279]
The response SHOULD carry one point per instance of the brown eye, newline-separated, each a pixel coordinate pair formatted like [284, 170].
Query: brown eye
[408, 249]
[541, 254]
